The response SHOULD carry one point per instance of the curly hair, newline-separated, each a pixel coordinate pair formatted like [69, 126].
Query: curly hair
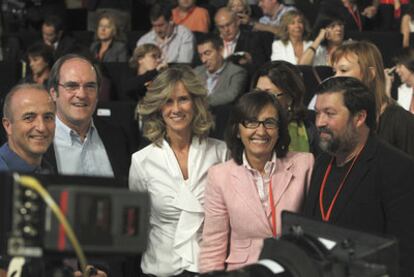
[247, 107]
[159, 92]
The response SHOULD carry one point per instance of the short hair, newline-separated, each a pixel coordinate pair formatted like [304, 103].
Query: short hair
[287, 19]
[247, 107]
[7, 112]
[55, 21]
[245, 4]
[405, 57]
[328, 21]
[214, 39]
[141, 51]
[159, 91]
[113, 21]
[160, 9]
[42, 50]
[54, 75]
[288, 78]
[368, 57]
[357, 97]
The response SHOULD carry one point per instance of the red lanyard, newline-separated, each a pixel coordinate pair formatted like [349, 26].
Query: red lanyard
[273, 208]
[326, 216]
[356, 17]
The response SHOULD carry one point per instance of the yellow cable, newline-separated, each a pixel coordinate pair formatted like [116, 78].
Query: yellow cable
[34, 184]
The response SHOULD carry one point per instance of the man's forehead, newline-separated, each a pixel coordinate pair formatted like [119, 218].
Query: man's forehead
[31, 100]
[332, 99]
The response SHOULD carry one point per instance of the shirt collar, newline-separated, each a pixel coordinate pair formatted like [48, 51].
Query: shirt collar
[217, 72]
[14, 162]
[69, 135]
[234, 41]
[269, 168]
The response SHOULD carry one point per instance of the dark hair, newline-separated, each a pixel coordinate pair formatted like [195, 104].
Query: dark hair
[55, 21]
[42, 50]
[357, 97]
[325, 22]
[54, 75]
[160, 9]
[215, 40]
[248, 107]
[288, 78]
[405, 57]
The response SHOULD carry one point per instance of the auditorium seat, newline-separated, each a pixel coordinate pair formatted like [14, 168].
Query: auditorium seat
[132, 39]
[117, 72]
[312, 76]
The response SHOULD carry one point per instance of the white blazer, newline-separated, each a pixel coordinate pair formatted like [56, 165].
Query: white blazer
[177, 210]
[283, 52]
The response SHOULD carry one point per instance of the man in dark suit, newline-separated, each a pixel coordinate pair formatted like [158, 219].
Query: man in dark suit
[82, 145]
[224, 80]
[242, 47]
[360, 182]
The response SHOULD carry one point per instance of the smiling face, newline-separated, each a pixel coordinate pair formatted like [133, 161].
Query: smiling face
[178, 112]
[31, 126]
[259, 143]
[75, 107]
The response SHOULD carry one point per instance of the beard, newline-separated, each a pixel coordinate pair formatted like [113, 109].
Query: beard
[343, 144]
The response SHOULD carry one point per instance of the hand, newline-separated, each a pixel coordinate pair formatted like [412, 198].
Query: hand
[389, 79]
[162, 66]
[323, 34]
[247, 58]
[370, 11]
[99, 273]
[243, 18]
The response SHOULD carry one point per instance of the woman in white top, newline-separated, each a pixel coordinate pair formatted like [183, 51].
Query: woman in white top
[292, 43]
[404, 67]
[330, 37]
[407, 24]
[173, 169]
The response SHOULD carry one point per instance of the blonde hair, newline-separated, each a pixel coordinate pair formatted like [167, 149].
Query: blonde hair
[369, 57]
[287, 19]
[140, 52]
[159, 92]
[245, 4]
[112, 21]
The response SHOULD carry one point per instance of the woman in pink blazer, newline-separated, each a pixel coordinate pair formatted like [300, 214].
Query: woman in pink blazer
[245, 196]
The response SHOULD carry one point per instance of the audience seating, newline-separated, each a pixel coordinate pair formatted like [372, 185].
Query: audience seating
[132, 39]
[117, 72]
[312, 76]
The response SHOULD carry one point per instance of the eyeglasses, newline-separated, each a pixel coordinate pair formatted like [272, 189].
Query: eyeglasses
[269, 123]
[72, 87]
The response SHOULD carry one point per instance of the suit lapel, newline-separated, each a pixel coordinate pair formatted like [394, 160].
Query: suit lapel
[280, 181]
[244, 185]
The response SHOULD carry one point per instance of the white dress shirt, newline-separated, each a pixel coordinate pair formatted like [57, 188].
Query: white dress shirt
[285, 52]
[177, 212]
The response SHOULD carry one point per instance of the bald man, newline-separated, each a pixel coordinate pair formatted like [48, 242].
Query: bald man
[29, 121]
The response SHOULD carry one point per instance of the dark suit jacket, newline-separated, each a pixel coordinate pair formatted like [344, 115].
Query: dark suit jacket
[116, 145]
[378, 197]
[232, 82]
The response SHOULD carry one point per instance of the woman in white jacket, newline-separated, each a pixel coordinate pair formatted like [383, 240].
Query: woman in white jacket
[173, 169]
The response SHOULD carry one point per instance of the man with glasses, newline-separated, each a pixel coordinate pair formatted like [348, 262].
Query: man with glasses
[84, 145]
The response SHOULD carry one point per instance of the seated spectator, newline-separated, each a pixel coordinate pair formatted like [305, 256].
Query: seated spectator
[146, 62]
[242, 47]
[29, 121]
[243, 11]
[292, 44]
[225, 81]
[40, 57]
[191, 16]
[54, 35]
[107, 47]
[405, 69]
[273, 10]
[245, 197]
[175, 41]
[284, 81]
[330, 36]
[407, 24]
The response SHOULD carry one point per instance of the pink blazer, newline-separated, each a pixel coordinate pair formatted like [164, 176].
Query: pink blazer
[233, 210]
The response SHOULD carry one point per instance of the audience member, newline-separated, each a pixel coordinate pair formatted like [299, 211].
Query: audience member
[273, 10]
[83, 145]
[407, 24]
[195, 18]
[244, 197]
[54, 35]
[363, 61]
[360, 182]
[173, 170]
[405, 70]
[107, 47]
[294, 30]
[242, 47]
[225, 81]
[40, 57]
[175, 41]
[146, 62]
[29, 121]
[284, 81]
[331, 35]
[242, 10]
